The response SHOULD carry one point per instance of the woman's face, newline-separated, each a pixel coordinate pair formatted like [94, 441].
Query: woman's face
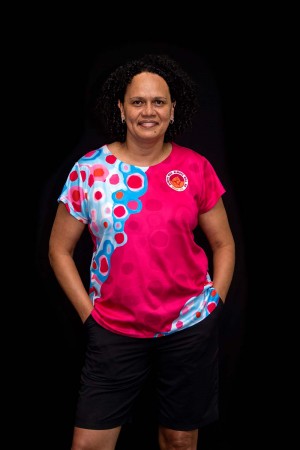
[147, 106]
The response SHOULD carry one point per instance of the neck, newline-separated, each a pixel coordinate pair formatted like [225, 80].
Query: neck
[145, 155]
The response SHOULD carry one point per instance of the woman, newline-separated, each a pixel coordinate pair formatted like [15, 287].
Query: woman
[142, 196]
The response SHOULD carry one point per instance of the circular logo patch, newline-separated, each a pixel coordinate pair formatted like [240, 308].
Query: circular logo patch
[177, 180]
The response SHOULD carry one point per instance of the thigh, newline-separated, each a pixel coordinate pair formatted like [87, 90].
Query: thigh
[93, 439]
[187, 375]
[114, 371]
[169, 438]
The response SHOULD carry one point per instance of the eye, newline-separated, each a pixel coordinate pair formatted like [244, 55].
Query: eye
[137, 102]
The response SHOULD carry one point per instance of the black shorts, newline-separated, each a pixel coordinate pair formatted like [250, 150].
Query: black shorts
[116, 367]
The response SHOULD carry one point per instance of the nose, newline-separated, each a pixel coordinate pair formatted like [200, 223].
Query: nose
[148, 109]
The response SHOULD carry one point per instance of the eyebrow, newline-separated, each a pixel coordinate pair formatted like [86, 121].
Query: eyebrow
[153, 98]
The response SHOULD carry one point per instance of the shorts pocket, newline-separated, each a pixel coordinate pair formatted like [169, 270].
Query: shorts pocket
[88, 321]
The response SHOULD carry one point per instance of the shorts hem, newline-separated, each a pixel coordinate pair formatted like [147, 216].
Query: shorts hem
[107, 426]
[200, 424]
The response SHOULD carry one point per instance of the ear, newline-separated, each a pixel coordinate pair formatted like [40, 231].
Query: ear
[172, 112]
[120, 105]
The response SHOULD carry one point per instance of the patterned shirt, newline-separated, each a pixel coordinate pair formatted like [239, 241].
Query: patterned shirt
[148, 276]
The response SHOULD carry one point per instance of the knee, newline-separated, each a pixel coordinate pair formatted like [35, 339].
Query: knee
[177, 440]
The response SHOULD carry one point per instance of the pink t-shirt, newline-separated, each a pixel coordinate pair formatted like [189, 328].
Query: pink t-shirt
[148, 275]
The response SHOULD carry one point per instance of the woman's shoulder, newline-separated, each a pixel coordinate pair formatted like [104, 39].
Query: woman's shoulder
[188, 151]
[94, 155]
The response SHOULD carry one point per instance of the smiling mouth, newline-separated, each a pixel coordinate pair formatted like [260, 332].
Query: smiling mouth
[147, 124]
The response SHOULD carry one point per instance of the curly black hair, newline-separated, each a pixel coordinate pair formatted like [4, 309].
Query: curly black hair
[182, 88]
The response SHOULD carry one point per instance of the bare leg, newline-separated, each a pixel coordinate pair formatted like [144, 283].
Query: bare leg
[177, 440]
[84, 439]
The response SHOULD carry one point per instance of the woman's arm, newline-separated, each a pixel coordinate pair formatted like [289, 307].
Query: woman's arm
[66, 231]
[215, 226]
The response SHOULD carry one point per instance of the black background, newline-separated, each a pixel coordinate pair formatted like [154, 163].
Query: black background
[59, 63]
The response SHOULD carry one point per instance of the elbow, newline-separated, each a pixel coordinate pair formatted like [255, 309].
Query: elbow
[51, 256]
[53, 253]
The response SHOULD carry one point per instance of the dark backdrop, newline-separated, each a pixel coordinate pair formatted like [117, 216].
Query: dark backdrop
[61, 132]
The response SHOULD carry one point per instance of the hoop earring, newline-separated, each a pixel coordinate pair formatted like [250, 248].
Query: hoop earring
[123, 120]
[171, 121]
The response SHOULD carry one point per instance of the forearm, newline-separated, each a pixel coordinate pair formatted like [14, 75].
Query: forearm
[70, 281]
[223, 269]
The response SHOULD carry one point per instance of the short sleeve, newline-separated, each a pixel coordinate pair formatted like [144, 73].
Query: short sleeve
[74, 194]
[211, 187]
